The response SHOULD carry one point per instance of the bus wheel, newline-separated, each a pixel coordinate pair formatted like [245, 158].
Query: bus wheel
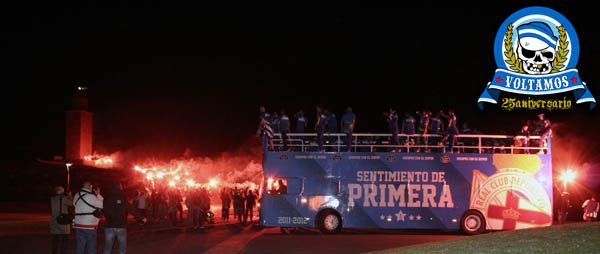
[472, 222]
[329, 222]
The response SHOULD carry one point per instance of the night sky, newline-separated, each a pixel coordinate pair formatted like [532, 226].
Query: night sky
[166, 79]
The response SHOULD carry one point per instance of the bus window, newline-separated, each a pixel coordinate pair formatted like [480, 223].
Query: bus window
[277, 185]
[332, 186]
[284, 186]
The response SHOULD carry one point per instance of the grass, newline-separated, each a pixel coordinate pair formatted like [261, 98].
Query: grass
[570, 238]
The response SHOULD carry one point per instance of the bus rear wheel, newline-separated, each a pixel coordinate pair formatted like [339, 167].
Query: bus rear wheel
[329, 222]
[472, 223]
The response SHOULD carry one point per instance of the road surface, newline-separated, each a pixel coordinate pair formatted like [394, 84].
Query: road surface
[28, 233]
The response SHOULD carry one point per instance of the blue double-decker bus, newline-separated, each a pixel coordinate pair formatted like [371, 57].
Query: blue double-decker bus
[486, 184]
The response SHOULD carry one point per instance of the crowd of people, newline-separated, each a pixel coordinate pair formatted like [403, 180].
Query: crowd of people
[244, 200]
[444, 126]
[166, 205]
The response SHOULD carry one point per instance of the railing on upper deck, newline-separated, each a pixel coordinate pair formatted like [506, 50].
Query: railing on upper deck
[367, 142]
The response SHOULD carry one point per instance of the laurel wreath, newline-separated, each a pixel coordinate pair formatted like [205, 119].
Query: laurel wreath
[511, 59]
[562, 51]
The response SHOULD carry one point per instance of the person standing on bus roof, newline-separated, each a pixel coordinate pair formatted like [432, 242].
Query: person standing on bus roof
[275, 125]
[348, 120]
[300, 123]
[452, 128]
[284, 128]
[524, 139]
[423, 126]
[544, 130]
[331, 126]
[435, 129]
[265, 128]
[320, 127]
[408, 127]
[328, 139]
[392, 119]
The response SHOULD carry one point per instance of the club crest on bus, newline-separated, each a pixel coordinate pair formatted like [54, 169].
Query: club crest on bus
[536, 51]
[511, 198]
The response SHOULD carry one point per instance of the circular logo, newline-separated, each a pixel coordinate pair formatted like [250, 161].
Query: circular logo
[511, 199]
[536, 41]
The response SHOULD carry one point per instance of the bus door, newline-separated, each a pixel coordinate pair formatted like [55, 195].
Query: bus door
[282, 201]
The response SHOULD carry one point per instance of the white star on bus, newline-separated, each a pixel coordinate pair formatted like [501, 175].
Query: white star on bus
[400, 216]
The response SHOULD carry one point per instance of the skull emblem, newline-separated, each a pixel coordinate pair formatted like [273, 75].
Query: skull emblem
[536, 48]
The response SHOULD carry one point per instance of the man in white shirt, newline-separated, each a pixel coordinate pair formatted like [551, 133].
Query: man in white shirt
[86, 201]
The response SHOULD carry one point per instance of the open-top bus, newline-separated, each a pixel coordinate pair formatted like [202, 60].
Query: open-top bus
[484, 185]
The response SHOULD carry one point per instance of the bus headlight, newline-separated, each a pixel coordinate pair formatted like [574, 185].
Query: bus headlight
[303, 200]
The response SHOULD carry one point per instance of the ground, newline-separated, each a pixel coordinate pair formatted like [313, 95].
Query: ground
[28, 233]
[577, 237]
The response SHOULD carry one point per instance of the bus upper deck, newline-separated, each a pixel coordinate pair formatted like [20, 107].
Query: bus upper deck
[368, 142]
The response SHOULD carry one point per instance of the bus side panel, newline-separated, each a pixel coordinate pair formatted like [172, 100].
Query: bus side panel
[418, 190]
[404, 191]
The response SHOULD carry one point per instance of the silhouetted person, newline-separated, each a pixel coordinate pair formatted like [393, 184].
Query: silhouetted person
[284, 129]
[392, 119]
[563, 208]
[348, 121]
[452, 129]
[250, 203]
[59, 204]
[590, 209]
[282, 189]
[320, 128]
[116, 206]
[265, 128]
[225, 203]
[408, 127]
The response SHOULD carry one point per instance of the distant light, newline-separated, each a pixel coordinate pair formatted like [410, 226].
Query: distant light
[172, 183]
[568, 176]
[454, 220]
[212, 182]
[160, 174]
[389, 219]
[149, 176]
[68, 164]
[190, 183]
[81, 88]
[177, 178]
[303, 200]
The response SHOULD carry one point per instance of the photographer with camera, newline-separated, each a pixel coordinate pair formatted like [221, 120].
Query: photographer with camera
[116, 207]
[88, 205]
[60, 228]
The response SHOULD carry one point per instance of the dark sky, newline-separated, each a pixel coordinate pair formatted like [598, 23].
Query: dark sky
[166, 79]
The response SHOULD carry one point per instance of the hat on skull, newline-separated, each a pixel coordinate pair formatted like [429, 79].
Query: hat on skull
[536, 36]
